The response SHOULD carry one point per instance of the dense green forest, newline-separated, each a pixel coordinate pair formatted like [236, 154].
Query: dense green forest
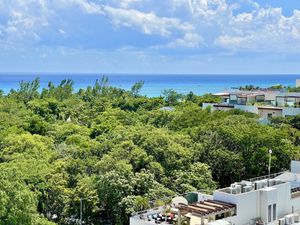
[121, 152]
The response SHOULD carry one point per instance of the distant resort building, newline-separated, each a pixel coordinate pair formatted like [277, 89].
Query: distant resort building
[266, 103]
[270, 200]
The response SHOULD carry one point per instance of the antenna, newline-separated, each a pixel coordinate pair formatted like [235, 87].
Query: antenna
[270, 154]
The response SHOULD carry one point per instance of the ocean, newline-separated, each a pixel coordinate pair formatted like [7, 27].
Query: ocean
[155, 84]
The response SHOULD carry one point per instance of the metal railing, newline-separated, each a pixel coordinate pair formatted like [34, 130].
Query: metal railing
[265, 177]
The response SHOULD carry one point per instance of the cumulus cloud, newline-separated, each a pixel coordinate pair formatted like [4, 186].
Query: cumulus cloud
[265, 29]
[23, 18]
[190, 40]
[213, 23]
[148, 23]
[126, 3]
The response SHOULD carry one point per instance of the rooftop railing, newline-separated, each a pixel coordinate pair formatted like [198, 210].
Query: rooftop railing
[266, 177]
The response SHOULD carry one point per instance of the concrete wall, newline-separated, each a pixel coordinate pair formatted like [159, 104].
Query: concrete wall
[264, 112]
[295, 204]
[247, 205]
[268, 198]
[254, 204]
[283, 192]
[206, 105]
[247, 108]
[138, 221]
[295, 166]
[203, 197]
[290, 111]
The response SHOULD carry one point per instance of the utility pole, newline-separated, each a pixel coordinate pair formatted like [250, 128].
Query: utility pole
[270, 155]
[80, 211]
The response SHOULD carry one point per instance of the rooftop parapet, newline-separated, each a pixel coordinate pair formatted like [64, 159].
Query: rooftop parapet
[253, 184]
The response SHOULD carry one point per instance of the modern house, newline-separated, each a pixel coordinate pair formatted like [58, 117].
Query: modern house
[269, 200]
[267, 103]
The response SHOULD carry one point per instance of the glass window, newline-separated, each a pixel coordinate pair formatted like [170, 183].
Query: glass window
[233, 97]
[274, 211]
[280, 101]
[269, 213]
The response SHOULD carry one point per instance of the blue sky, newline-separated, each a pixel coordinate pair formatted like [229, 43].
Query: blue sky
[150, 36]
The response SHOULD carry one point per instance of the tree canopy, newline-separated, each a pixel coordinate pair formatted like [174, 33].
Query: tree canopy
[121, 152]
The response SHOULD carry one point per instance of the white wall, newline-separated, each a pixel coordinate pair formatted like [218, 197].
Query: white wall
[295, 166]
[206, 105]
[286, 111]
[203, 197]
[283, 193]
[268, 197]
[247, 205]
[247, 108]
[295, 204]
[254, 204]
[138, 221]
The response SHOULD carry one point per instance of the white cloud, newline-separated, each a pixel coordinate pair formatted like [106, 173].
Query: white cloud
[148, 23]
[209, 10]
[22, 19]
[126, 3]
[61, 31]
[190, 40]
[265, 29]
[217, 23]
[89, 7]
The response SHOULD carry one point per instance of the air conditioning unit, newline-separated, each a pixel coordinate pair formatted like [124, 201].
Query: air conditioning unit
[245, 183]
[247, 188]
[232, 190]
[296, 218]
[257, 185]
[281, 221]
[277, 181]
[234, 185]
[271, 183]
[264, 183]
[289, 219]
[238, 189]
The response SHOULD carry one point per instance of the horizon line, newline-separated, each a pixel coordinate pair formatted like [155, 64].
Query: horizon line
[147, 74]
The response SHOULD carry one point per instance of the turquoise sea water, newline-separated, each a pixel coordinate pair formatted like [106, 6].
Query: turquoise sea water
[155, 84]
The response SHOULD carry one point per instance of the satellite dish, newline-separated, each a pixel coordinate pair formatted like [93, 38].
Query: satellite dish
[179, 200]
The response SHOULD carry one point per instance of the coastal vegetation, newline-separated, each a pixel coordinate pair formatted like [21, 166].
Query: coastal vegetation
[120, 152]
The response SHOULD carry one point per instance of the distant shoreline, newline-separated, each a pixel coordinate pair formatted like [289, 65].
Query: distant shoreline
[154, 84]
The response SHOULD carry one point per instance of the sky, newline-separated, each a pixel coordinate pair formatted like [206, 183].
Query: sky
[150, 36]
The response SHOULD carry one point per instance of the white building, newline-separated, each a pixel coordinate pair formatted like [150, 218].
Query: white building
[267, 200]
[267, 104]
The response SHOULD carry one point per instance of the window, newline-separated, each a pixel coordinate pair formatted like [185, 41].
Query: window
[269, 213]
[274, 211]
[280, 101]
[270, 115]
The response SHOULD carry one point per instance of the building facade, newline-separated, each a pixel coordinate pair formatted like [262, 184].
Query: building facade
[269, 200]
[266, 104]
